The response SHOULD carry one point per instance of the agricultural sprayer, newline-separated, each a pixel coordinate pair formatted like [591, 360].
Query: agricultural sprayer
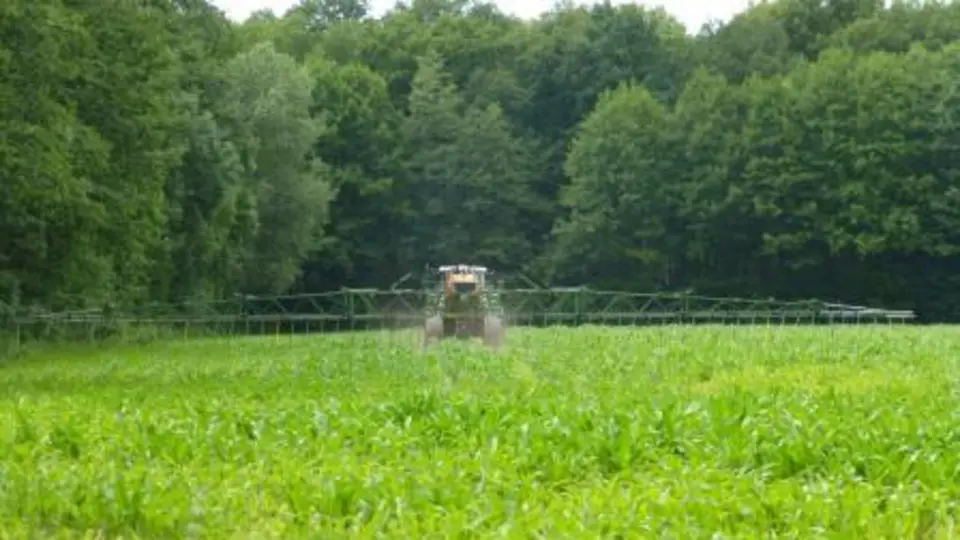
[459, 301]
[463, 303]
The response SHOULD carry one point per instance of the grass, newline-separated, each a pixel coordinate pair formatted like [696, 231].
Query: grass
[594, 432]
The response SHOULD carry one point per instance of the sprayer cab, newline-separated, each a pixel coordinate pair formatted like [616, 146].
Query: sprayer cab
[462, 280]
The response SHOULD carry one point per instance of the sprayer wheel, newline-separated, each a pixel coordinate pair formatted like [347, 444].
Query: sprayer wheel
[432, 329]
[493, 331]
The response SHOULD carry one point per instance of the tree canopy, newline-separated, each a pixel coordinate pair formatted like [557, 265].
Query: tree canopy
[156, 151]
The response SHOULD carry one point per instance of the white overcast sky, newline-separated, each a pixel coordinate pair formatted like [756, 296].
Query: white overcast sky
[692, 13]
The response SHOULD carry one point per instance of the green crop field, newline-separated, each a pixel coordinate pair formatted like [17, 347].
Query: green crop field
[593, 432]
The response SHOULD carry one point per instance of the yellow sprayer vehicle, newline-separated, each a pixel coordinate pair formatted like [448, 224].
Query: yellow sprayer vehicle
[463, 305]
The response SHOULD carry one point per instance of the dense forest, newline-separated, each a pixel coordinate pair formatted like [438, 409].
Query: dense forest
[155, 150]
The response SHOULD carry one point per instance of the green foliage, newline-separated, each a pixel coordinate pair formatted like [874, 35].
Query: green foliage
[620, 194]
[265, 102]
[156, 151]
[468, 176]
[663, 432]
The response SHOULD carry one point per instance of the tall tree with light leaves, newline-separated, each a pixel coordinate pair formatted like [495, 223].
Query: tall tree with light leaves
[265, 105]
[469, 178]
[623, 197]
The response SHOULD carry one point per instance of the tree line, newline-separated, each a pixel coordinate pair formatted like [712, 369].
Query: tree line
[157, 151]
